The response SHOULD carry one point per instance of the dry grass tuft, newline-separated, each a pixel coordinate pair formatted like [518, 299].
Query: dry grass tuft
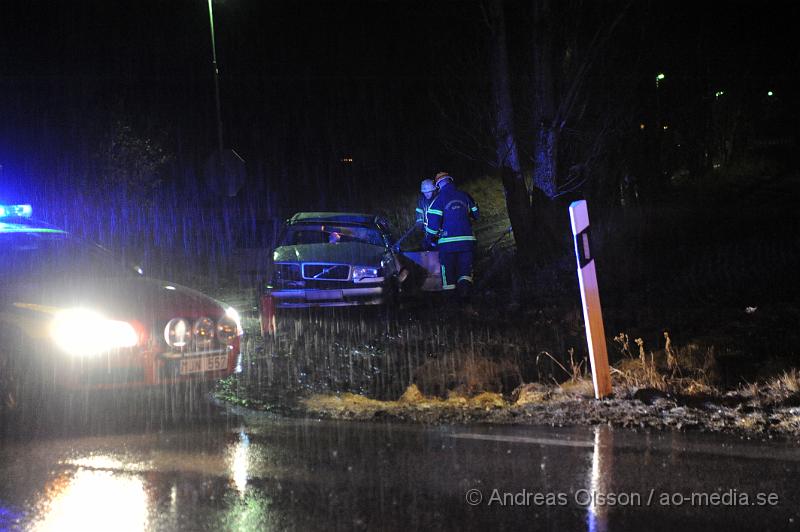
[344, 403]
[467, 373]
[623, 344]
[641, 373]
[752, 391]
[751, 422]
[788, 424]
[790, 381]
[576, 370]
[353, 406]
[782, 386]
[690, 369]
[693, 387]
[672, 356]
[642, 355]
[533, 392]
[411, 395]
[456, 398]
[487, 400]
[583, 387]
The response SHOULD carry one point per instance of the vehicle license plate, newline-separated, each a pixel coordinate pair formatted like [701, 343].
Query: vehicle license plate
[202, 364]
[320, 295]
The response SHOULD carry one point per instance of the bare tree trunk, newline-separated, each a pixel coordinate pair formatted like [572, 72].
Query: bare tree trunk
[545, 160]
[507, 158]
[505, 142]
[544, 108]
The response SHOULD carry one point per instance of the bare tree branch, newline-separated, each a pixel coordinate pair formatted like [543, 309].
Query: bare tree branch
[597, 44]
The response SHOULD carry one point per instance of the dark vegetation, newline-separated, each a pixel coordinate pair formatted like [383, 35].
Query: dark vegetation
[730, 319]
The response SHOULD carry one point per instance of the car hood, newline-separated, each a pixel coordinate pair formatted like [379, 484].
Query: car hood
[343, 253]
[142, 299]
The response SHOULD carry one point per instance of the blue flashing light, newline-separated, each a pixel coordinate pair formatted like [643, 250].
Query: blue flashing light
[23, 228]
[15, 211]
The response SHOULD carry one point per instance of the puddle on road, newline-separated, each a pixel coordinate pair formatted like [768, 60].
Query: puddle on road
[311, 474]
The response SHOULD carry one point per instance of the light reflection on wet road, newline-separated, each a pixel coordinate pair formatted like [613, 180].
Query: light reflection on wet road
[256, 472]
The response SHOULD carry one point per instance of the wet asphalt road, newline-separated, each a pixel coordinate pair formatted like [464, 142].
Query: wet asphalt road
[227, 470]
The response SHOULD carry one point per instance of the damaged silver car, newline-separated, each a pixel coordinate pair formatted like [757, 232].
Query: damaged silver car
[332, 259]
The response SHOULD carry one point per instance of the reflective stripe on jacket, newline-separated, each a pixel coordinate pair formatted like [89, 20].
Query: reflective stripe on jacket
[450, 217]
[422, 210]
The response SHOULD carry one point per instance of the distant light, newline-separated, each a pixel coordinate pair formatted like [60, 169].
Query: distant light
[641, 126]
[770, 93]
[666, 127]
[719, 93]
[660, 76]
[347, 160]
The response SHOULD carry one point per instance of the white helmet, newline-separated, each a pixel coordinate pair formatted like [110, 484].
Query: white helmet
[427, 186]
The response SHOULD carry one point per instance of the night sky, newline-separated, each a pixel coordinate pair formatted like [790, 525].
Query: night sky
[305, 84]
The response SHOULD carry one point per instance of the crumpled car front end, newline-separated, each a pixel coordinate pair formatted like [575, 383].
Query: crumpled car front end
[315, 275]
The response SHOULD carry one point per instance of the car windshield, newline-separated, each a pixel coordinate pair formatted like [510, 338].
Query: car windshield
[37, 255]
[330, 234]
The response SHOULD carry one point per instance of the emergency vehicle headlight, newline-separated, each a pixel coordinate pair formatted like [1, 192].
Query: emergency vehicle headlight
[16, 211]
[84, 332]
[362, 273]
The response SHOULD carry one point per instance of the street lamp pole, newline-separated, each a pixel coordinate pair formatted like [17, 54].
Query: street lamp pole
[225, 170]
[659, 77]
[216, 79]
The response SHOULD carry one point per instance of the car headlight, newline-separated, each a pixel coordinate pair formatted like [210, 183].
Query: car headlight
[203, 331]
[365, 274]
[82, 331]
[229, 327]
[178, 332]
[227, 331]
[231, 313]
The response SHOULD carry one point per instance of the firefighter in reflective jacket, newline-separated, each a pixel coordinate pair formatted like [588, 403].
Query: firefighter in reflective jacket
[450, 218]
[427, 191]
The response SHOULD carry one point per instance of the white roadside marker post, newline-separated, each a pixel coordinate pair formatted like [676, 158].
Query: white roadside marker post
[590, 297]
